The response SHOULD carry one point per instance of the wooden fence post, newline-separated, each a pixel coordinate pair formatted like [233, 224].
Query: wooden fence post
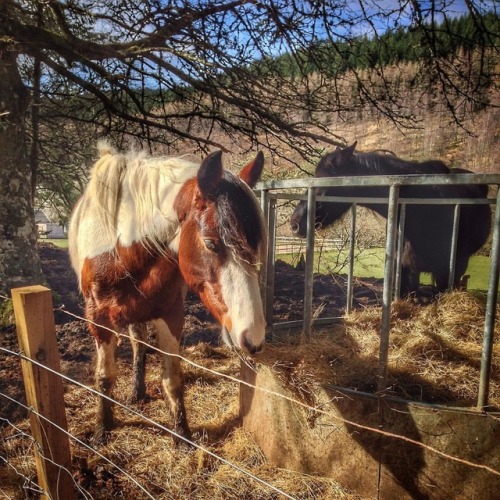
[44, 390]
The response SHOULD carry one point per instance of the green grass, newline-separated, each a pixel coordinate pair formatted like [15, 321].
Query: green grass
[369, 263]
[59, 242]
[479, 270]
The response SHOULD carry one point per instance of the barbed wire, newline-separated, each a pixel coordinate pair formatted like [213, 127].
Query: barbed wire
[147, 419]
[32, 410]
[263, 389]
[29, 437]
[290, 399]
[33, 486]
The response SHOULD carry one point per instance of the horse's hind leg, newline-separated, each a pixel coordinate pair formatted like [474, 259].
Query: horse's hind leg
[172, 380]
[441, 281]
[410, 282]
[138, 335]
[442, 277]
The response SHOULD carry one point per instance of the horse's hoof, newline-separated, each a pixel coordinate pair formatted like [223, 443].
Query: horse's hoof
[100, 436]
[180, 433]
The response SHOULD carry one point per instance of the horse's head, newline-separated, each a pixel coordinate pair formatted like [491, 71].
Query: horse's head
[335, 164]
[221, 247]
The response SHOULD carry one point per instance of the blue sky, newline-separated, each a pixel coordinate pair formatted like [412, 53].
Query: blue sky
[403, 13]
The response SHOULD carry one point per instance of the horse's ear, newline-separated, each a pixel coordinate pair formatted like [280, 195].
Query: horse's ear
[251, 173]
[345, 154]
[210, 174]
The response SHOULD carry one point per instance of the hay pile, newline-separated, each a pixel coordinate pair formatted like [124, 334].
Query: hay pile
[148, 454]
[434, 356]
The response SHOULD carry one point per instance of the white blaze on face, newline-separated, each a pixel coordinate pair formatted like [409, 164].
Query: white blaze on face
[241, 294]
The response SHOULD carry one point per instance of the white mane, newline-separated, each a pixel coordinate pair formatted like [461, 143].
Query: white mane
[129, 198]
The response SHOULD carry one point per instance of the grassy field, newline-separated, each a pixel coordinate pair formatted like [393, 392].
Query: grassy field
[369, 263]
[59, 242]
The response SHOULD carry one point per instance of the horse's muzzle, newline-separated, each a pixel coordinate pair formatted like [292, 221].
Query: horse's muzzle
[249, 347]
[245, 344]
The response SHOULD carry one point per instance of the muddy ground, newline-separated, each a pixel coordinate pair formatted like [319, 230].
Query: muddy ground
[76, 345]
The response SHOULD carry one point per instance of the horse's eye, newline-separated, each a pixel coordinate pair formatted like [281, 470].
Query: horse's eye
[211, 244]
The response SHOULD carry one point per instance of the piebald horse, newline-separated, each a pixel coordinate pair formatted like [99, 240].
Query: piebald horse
[144, 230]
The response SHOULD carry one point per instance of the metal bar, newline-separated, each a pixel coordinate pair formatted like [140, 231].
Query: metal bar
[454, 244]
[384, 201]
[400, 247]
[382, 180]
[489, 322]
[264, 205]
[390, 250]
[492, 298]
[308, 287]
[264, 201]
[397, 400]
[270, 268]
[352, 247]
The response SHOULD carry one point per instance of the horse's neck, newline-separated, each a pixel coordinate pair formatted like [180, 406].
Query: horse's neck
[370, 164]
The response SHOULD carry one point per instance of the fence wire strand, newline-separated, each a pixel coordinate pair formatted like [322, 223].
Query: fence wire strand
[201, 448]
[295, 401]
[29, 437]
[30, 409]
[33, 486]
[147, 419]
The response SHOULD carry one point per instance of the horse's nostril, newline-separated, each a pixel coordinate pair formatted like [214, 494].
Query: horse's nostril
[248, 346]
[295, 227]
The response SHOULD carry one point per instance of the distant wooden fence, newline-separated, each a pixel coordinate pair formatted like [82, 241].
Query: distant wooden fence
[290, 245]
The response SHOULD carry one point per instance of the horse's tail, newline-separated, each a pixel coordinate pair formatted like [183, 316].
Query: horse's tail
[105, 183]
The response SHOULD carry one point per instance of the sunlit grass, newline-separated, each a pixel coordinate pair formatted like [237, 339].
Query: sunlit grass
[369, 263]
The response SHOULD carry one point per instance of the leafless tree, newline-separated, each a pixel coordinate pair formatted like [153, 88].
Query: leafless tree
[198, 75]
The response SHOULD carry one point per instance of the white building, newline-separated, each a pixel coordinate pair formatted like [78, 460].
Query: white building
[46, 228]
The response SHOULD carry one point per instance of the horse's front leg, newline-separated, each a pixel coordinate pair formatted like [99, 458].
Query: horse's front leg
[138, 335]
[105, 378]
[169, 333]
[410, 275]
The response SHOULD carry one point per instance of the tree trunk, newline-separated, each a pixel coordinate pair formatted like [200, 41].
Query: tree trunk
[19, 260]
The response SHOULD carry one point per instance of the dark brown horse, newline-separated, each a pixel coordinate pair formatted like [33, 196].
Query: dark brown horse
[144, 230]
[428, 228]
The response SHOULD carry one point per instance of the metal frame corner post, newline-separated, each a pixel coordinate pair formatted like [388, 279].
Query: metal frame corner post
[269, 276]
[491, 304]
[308, 286]
[390, 250]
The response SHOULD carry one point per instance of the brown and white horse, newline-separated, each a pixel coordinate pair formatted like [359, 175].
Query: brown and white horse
[144, 229]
